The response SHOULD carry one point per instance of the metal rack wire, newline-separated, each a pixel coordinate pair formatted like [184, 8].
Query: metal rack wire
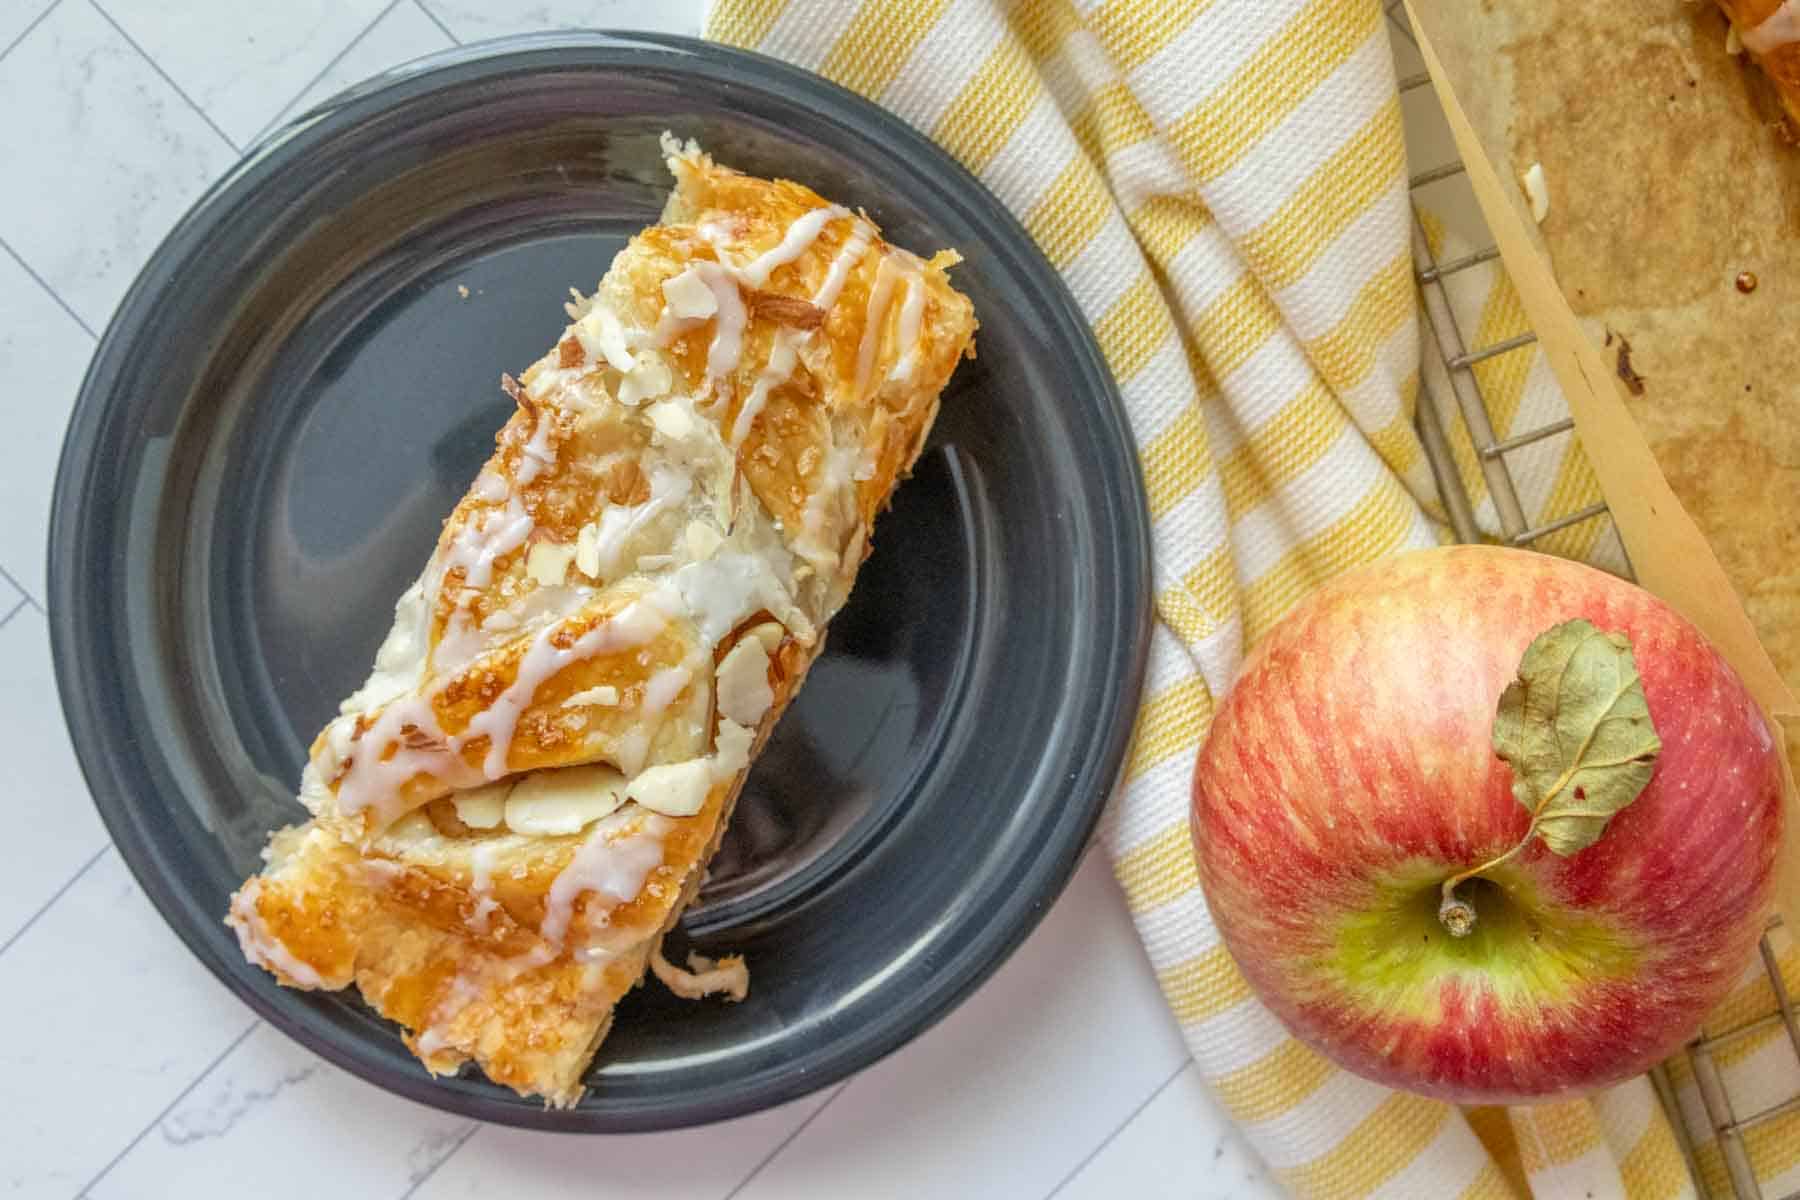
[1459, 360]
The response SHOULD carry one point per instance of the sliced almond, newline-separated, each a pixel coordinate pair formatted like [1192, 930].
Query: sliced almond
[731, 749]
[672, 419]
[564, 799]
[769, 633]
[743, 692]
[646, 381]
[602, 336]
[483, 807]
[702, 539]
[690, 299]
[548, 562]
[587, 550]
[673, 789]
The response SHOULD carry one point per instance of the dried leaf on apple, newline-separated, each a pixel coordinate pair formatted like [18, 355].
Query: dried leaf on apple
[1576, 728]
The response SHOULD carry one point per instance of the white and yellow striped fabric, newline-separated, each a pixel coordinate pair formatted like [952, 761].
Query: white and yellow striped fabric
[1222, 183]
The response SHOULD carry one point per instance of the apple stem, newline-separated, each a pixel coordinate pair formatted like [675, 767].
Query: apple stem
[1458, 916]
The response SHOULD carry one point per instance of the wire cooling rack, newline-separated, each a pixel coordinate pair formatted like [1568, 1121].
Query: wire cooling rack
[1445, 339]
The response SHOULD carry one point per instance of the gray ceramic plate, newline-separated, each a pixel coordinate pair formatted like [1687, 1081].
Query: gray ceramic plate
[295, 393]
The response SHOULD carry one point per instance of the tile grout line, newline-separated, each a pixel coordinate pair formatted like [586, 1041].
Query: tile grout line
[26, 32]
[14, 610]
[275, 122]
[787, 1141]
[50, 291]
[54, 897]
[433, 18]
[169, 1108]
[1186, 1062]
[19, 587]
[415, 1185]
[166, 77]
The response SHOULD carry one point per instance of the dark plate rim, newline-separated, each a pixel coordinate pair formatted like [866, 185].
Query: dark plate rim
[74, 605]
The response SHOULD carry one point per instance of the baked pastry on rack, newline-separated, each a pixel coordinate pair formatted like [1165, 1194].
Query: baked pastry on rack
[1770, 31]
[513, 810]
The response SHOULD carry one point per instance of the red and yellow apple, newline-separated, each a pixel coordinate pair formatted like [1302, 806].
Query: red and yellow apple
[1351, 771]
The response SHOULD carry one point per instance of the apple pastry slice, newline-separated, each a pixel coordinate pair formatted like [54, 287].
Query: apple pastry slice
[517, 805]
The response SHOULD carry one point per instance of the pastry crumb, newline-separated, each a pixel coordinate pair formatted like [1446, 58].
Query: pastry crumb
[462, 290]
[704, 977]
[1633, 381]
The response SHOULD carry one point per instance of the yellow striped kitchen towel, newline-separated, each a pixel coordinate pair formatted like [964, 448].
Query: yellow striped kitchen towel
[1223, 186]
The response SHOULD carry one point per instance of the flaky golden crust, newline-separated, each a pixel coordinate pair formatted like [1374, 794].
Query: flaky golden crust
[635, 585]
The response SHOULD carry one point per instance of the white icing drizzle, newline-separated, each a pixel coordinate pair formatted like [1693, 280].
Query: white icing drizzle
[782, 358]
[855, 246]
[880, 296]
[620, 523]
[834, 477]
[802, 233]
[374, 782]
[261, 947]
[490, 486]
[684, 309]
[477, 546]
[1780, 28]
[633, 747]
[637, 624]
[912, 311]
[466, 989]
[613, 861]
[495, 534]
[481, 863]
[722, 280]
[722, 590]
[728, 331]
[602, 336]
[660, 692]
[537, 453]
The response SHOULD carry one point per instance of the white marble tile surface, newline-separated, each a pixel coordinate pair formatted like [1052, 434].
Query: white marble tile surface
[137, 1075]
[239, 63]
[276, 1113]
[16, 16]
[1175, 1148]
[110, 1020]
[115, 156]
[43, 780]
[686, 1164]
[1016, 1086]
[43, 352]
[402, 33]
